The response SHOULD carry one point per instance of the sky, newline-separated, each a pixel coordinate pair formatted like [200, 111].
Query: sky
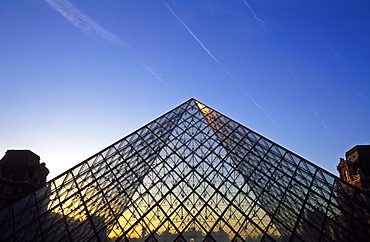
[78, 75]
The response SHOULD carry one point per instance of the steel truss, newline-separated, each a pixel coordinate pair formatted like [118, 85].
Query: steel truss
[192, 174]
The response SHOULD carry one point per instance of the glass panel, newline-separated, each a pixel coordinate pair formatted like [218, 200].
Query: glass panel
[191, 175]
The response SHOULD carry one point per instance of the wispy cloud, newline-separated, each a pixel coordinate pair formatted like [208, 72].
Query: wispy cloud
[82, 21]
[255, 15]
[191, 33]
[159, 78]
[292, 75]
[362, 96]
[300, 86]
[217, 61]
[338, 57]
[87, 24]
[317, 114]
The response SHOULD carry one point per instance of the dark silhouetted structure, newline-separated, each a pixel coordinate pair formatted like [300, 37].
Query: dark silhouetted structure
[192, 174]
[20, 174]
[355, 169]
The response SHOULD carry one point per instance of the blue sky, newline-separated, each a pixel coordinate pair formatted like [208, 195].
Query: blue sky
[77, 76]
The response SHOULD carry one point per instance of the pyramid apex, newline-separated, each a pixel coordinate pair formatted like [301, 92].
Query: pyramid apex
[192, 99]
[192, 174]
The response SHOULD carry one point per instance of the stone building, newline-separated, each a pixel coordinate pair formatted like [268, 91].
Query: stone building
[355, 168]
[20, 173]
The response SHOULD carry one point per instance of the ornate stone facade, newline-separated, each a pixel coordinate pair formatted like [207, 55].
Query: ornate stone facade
[355, 169]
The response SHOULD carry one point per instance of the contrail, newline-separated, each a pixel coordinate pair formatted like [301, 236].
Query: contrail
[255, 15]
[159, 78]
[83, 22]
[317, 114]
[299, 85]
[338, 56]
[292, 75]
[362, 96]
[218, 62]
[198, 40]
[86, 24]
[191, 32]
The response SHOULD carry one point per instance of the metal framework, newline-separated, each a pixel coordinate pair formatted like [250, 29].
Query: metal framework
[192, 174]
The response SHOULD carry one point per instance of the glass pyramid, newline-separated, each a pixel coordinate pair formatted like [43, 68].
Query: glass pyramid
[191, 175]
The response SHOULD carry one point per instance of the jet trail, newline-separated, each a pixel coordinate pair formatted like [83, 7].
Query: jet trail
[362, 96]
[317, 114]
[299, 85]
[191, 32]
[255, 15]
[338, 56]
[86, 24]
[159, 78]
[83, 22]
[292, 75]
[218, 62]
